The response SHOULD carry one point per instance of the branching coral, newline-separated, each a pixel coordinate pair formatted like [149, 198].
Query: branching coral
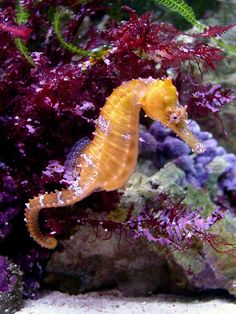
[159, 41]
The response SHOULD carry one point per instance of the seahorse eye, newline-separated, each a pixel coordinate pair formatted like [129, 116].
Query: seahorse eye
[177, 116]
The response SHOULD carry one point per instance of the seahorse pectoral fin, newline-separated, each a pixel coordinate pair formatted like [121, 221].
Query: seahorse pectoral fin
[73, 158]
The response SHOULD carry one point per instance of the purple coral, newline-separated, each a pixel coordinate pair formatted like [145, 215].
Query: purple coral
[202, 99]
[172, 223]
[210, 98]
[196, 167]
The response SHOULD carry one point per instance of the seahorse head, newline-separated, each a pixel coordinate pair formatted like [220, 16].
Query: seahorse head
[160, 102]
[161, 98]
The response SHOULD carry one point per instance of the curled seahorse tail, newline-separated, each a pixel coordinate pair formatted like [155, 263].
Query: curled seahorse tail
[55, 199]
[31, 215]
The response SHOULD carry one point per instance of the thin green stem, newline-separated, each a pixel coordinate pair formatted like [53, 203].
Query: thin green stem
[68, 46]
[22, 16]
[24, 50]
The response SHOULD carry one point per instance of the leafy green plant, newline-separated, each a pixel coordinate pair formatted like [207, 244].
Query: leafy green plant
[24, 50]
[182, 8]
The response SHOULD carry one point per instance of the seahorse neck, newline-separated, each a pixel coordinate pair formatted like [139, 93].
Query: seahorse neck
[138, 87]
[127, 98]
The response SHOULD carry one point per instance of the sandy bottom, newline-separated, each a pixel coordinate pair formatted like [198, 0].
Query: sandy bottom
[114, 303]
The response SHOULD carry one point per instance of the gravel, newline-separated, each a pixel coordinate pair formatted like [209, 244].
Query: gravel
[112, 302]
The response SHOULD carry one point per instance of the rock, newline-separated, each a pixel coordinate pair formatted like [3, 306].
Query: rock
[210, 267]
[87, 265]
[140, 267]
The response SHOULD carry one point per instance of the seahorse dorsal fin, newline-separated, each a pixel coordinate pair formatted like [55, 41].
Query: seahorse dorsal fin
[73, 157]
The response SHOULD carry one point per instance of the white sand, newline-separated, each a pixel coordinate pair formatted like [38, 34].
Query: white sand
[113, 303]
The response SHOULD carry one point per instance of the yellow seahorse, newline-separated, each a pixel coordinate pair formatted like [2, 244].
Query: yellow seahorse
[107, 162]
